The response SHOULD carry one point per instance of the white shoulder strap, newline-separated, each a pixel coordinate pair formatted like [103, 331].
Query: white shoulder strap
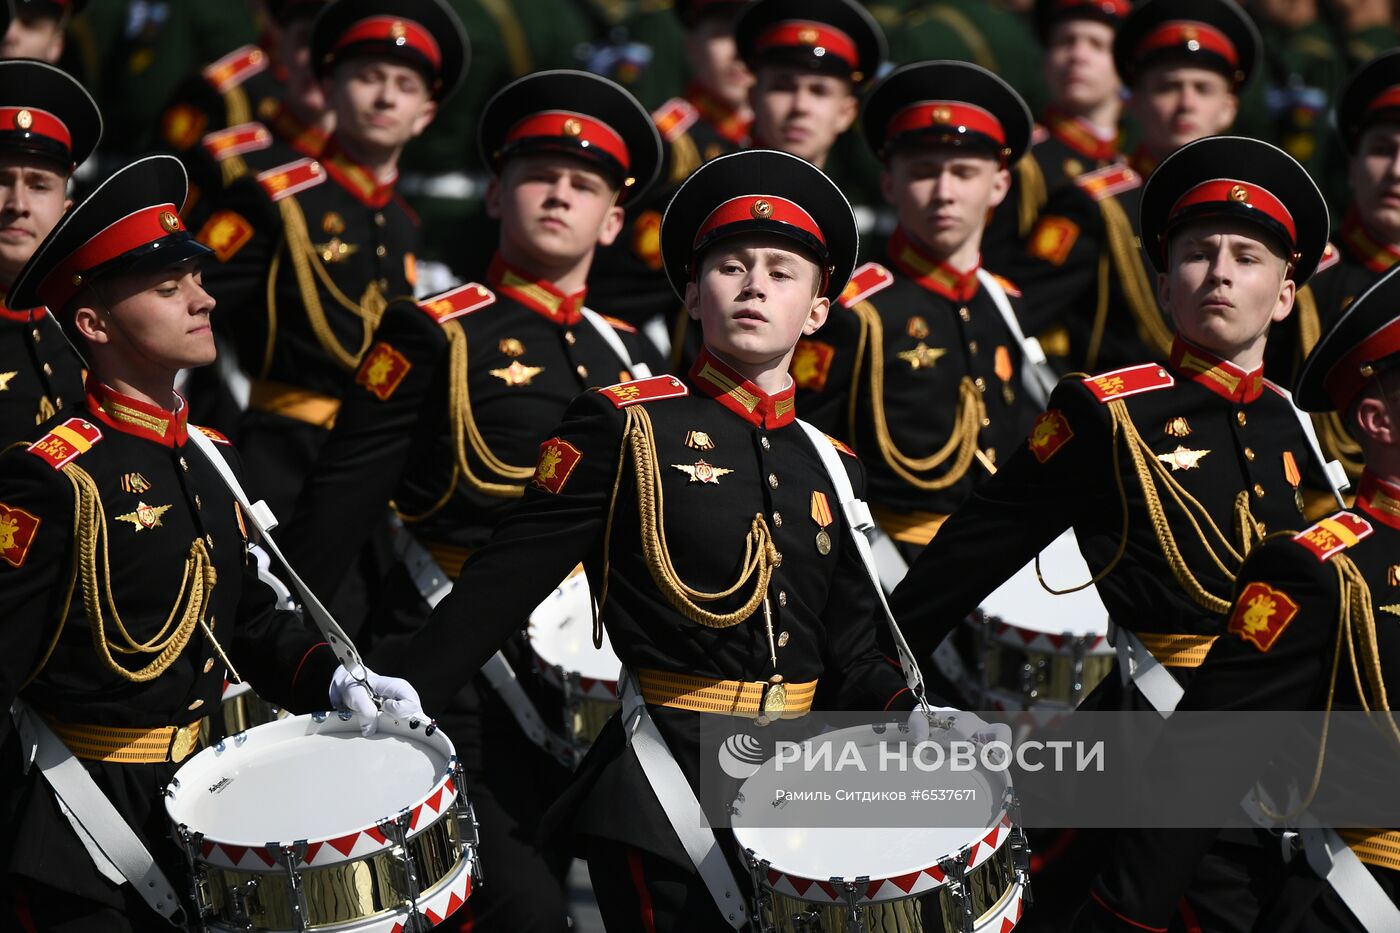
[1331, 469]
[609, 335]
[861, 523]
[1036, 374]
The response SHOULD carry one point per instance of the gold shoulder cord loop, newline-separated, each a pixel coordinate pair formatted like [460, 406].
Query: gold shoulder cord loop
[1137, 288]
[1031, 180]
[309, 268]
[685, 158]
[967, 425]
[1091, 352]
[236, 106]
[1122, 536]
[46, 410]
[760, 554]
[91, 565]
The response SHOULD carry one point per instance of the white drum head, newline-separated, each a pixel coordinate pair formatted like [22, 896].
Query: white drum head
[561, 633]
[298, 779]
[1022, 602]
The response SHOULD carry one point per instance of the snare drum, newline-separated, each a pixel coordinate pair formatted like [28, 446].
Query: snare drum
[1032, 649]
[881, 880]
[561, 634]
[240, 710]
[304, 823]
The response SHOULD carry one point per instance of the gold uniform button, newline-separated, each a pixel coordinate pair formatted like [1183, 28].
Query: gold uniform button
[783, 640]
[980, 383]
[208, 665]
[209, 540]
[764, 442]
[1259, 490]
[772, 480]
[778, 519]
[1241, 417]
[184, 464]
[58, 401]
[36, 335]
[379, 220]
[582, 371]
[381, 251]
[986, 422]
[782, 597]
[195, 705]
[569, 338]
[48, 370]
[1249, 453]
[965, 314]
[778, 559]
[972, 347]
[198, 502]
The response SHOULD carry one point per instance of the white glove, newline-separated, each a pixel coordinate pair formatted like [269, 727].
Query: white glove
[969, 725]
[348, 694]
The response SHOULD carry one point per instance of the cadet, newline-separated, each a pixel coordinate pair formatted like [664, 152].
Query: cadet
[745, 587]
[1089, 296]
[1300, 601]
[920, 367]
[114, 493]
[48, 126]
[1079, 129]
[448, 410]
[37, 28]
[322, 244]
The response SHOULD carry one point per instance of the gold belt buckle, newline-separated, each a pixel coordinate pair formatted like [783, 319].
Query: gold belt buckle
[774, 701]
[185, 739]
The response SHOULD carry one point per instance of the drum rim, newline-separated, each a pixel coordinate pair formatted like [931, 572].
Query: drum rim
[1000, 626]
[325, 851]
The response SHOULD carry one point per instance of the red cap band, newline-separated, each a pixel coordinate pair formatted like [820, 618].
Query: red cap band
[806, 34]
[1192, 36]
[762, 207]
[1385, 100]
[39, 122]
[1227, 190]
[950, 113]
[1351, 373]
[393, 30]
[134, 230]
[577, 127]
[1115, 8]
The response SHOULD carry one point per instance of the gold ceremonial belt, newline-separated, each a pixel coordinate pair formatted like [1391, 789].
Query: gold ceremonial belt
[289, 401]
[128, 746]
[908, 527]
[1374, 846]
[1177, 650]
[748, 698]
[449, 557]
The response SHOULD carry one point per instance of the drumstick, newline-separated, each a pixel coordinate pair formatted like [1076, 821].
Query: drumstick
[768, 621]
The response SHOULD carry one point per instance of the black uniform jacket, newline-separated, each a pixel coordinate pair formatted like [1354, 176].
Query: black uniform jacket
[39, 372]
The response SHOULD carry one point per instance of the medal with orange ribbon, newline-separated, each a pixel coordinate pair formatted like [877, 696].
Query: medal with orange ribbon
[821, 514]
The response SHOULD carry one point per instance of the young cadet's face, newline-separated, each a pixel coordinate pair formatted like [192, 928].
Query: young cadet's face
[800, 112]
[942, 196]
[754, 297]
[1079, 64]
[1178, 104]
[31, 36]
[554, 209]
[304, 92]
[33, 196]
[380, 104]
[714, 60]
[1224, 286]
[1374, 172]
[155, 321]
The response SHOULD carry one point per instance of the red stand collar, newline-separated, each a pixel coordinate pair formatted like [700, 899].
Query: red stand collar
[1379, 499]
[733, 124]
[1080, 135]
[1366, 246]
[938, 277]
[1143, 162]
[536, 294]
[720, 382]
[140, 419]
[355, 178]
[310, 141]
[1222, 377]
[23, 317]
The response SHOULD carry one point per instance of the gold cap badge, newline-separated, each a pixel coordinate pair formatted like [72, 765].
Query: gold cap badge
[572, 127]
[761, 209]
[24, 119]
[1239, 193]
[169, 222]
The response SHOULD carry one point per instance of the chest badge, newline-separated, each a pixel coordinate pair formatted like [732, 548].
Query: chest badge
[699, 440]
[5, 380]
[517, 373]
[702, 472]
[1178, 427]
[511, 347]
[821, 514]
[922, 356]
[1294, 477]
[145, 516]
[1392, 575]
[1393, 609]
[333, 223]
[1183, 458]
[135, 483]
[916, 328]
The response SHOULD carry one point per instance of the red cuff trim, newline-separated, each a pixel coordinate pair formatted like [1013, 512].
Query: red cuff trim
[302, 662]
[1129, 921]
[895, 697]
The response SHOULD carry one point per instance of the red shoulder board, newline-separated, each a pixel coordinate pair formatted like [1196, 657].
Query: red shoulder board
[1007, 286]
[618, 323]
[235, 68]
[1121, 383]
[66, 442]
[645, 390]
[1334, 534]
[674, 117]
[236, 140]
[464, 299]
[1330, 257]
[866, 281]
[1108, 181]
[292, 178]
[213, 435]
[840, 446]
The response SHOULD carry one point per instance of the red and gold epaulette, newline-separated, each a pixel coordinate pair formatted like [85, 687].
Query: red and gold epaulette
[866, 281]
[674, 117]
[464, 299]
[1108, 181]
[840, 446]
[213, 435]
[1334, 534]
[65, 442]
[644, 390]
[292, 178]
[1121, 383]
[236, 140]
[617, 323]
[1007, 286]
[235, 68]
[1330, 257]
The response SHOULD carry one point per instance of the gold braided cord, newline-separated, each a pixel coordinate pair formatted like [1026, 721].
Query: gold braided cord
[1309, 321]
[464, 428]
[1091, 353]
[1031, 180]
[232, 168]
[68, 592]
[46, 410]
[90, 544]
[512, 34]
[309, 268]
[1337, 443]
[236, 107]
[685, 158]
[1122, 535]
[961, 445]
[966, 30]
[607, 537]
[760, 554]
[270, 341]
[1137, 288]
[864, 312]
